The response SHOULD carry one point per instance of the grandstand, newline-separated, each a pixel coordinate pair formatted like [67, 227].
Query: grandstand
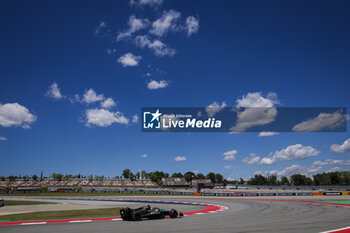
[78, 182]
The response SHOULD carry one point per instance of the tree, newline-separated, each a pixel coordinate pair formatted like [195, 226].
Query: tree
[211, 176]
[272, 180]
[241, 181]
[284, 181]
[177, 175]
[298, 179]
[12, 178]
[189, 176]
[90, 177]
[126, 173]
[200, 176]
[2, 178]
[219, 178]
[34, 177]
[138, 175]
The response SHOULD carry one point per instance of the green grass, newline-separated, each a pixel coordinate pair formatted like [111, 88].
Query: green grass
[87, 194]
[63, 214]
[17, 202]
[338, 202]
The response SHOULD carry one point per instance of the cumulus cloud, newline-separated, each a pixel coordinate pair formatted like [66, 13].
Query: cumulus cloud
[54, 92]
[104, 118]
[108, 103]
[297, 169]
[214, 108]
[167, 21]
[296, 152]
[3, 139]
[228, 167]
[129, 59]
[144, 156]
[153, 84]
[257, 100]
[258, 110]
[14, 114]
[90, 96]
[180, 158]
[135, 118]
[150, 3]
[158, 47]
[230, 155]
[135, 25]
[334, 169]
[343, 148]
[252, 159]
[192, 25]
[293, 152]
[265, 134]
[324, 121]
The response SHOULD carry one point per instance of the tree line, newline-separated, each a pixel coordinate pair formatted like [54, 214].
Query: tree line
[326, 178]
[329, 178]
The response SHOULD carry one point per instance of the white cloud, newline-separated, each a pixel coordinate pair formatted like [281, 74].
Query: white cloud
[151, 3]
[144, 156]
[164, 23]
[295, 152]
[135, 25]
[253, 117]
[228, 167]
[54, 92]
[158, 47]
[129, 59]
[104, 118]
[334, 169]
[338, 162]
[268, 161]
[108, 103]
[152, 85]
[100, 27]
[214, 108]
[192, 25]
[265, 134]
[258, 110]
[90, 96]
[180, 158]
[324, 121]
[135, 118]
[14, 114]
[319, 163]
[230, 155]
[295, 169]
[252, 159]
[3, 139]
[345, 147]
[257, 100]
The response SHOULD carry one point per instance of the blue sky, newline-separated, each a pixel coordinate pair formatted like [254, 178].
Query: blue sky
[167, 54]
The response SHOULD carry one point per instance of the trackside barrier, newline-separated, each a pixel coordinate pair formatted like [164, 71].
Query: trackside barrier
[197, 194]
[261, 194]
[317, 194]
[305, 194]
[346, 193]
[1, 203]
[332, 193]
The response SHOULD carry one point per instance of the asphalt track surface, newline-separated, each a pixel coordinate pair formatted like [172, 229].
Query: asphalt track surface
[242, 216]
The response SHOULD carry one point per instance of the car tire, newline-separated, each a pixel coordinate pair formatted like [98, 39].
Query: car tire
[173, 213]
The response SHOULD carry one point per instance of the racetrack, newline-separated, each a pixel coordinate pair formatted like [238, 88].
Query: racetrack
[243, 215]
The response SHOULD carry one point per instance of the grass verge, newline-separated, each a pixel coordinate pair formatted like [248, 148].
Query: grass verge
[20, 202]
[62, 214]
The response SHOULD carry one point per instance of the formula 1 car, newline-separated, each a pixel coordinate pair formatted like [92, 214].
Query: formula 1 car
[138, 214]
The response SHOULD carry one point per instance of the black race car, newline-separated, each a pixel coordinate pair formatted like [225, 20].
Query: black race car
[138, 214]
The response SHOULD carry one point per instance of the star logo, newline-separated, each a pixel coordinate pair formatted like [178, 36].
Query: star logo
[156, 115]
[151, 120]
